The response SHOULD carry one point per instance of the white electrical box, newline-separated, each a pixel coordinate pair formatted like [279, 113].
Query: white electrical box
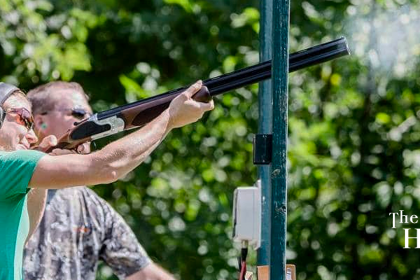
[247, 215]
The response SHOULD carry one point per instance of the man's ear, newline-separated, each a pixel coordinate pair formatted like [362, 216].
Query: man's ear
[40, 124]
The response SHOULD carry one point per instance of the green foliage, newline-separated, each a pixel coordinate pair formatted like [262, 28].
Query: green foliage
[353, 128]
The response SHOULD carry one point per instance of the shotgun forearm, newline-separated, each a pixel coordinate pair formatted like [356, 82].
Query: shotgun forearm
[139, 113]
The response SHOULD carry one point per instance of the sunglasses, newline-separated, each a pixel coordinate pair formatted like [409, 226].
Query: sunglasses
[78, 113]
[25, 117]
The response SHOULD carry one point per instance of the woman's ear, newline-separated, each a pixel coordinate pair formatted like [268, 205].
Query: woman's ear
[2, 115]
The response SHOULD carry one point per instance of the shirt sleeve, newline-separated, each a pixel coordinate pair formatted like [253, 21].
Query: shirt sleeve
[120, 248]
[16, 169]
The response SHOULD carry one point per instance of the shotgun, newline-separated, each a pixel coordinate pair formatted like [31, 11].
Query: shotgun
[141, 112]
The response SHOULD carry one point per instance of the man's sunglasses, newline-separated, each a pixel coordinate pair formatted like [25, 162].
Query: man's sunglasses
[78, 113]
[25, 117]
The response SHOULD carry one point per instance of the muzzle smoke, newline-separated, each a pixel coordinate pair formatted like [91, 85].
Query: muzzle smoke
[387, 40]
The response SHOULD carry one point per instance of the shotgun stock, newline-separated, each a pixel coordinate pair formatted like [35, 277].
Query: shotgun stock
[141, 112]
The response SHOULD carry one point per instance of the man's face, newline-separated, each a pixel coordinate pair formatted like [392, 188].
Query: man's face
[16, 132]
[69, 107]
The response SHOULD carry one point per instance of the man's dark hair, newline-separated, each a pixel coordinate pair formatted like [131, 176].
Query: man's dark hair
[42, 97]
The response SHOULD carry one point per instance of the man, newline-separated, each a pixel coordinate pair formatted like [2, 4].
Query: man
[78, 228]
[22, 169]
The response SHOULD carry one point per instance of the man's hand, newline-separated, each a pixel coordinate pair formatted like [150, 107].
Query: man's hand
[47, 142]
[184, 110]
[51, 141]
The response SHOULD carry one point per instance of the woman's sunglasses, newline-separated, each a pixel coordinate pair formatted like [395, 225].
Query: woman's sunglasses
[25, 117]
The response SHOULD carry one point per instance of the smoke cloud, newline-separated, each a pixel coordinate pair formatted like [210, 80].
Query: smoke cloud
[385, 38]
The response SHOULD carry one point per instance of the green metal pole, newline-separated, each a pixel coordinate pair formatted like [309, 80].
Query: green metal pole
[281, 11]
[265, 98]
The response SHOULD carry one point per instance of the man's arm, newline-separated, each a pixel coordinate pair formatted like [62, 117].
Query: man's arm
[151, 272]
[120, 248]
[120, 157]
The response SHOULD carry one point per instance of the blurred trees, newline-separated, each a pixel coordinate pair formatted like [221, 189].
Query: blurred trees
[353, 123]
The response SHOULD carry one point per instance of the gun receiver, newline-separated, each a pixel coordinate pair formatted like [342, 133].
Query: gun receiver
[141, 112]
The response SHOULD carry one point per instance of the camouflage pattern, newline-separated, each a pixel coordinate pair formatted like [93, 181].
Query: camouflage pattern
[77, 231]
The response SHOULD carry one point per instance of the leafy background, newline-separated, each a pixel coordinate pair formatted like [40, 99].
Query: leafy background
[353, 123]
